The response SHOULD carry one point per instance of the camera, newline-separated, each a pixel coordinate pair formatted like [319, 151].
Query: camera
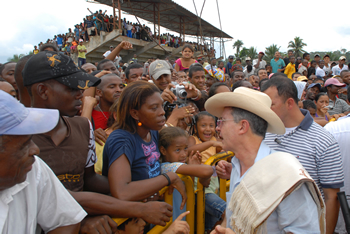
[179, 91]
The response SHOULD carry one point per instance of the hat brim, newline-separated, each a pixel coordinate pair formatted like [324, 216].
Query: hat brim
[216, 105]
[161, 72]
[38, 121]
[79, 80]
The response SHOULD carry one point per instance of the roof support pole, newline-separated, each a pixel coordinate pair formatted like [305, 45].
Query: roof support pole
[154, 20]
[158, 6]
[113, 14]
[120, 16]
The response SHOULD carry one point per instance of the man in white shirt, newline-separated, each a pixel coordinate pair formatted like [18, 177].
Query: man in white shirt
[31, 196]
[259, 62]
[340, 67]
[108, 52]
[319, 70]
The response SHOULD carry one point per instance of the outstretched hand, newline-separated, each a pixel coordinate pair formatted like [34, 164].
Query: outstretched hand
[179, 226]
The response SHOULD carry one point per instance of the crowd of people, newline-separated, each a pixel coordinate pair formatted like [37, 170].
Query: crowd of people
[83, 145]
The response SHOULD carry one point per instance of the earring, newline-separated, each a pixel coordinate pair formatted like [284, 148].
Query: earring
[139, 123]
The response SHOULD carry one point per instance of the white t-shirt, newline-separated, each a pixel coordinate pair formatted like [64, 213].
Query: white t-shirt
[107, 53]
[336, 69]
[320, 72]
[40, 200]
[327, 69]
[208, 67]
[128, 27]
[262, 63]
[341, 131]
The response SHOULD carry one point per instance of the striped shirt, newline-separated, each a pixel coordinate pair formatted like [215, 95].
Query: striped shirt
[315, 148]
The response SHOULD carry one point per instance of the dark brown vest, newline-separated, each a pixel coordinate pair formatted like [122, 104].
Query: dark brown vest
[68, 159]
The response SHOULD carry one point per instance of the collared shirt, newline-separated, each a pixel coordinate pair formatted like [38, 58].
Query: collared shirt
[296, 214]
[277, 65]
[315, 148]
[336, 69]
[40, 199]
[290, 69]
[337, 107]
[262, 63]
[340, 129]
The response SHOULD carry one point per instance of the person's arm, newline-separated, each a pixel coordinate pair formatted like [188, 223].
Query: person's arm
[257, 65]
[286, 70]
[201, 171]
[88, 105]
[94, 182]
[98, 204]
[122, 187]
[90, 11]
[70, 229]
[192, 146]
[223, 169]
[332, 208]
[180, 113]
[124, 45]
[177, 68]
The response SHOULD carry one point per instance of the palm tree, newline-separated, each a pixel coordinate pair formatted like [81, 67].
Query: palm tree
[252, 53]
[297, 46]
[270, 52]
[15, 58]
[238, 44]
[243, 53]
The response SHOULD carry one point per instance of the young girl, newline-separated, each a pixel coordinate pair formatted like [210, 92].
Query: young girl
[173, 146]
[322, 101]
[186, 60]
[204, 141]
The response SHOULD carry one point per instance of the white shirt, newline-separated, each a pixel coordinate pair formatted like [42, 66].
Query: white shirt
[336, 69]
[327, 69]
[128, 27]
[320, 72]
[106, 53]
[341, 131]
[40, 200]
[208, 67]
[262, 63]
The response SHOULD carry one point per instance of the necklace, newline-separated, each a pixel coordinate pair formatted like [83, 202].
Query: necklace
[102, 111]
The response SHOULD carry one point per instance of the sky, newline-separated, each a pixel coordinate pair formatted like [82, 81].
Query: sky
[257, 23]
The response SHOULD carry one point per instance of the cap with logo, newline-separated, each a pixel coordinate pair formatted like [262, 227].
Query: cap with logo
[248, 59]
[15, 119]
[342, 58]
[158, 68]
[47, 65]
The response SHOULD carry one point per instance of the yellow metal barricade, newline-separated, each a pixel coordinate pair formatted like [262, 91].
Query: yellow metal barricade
[189, 206]
[200, 191]
[168, 198]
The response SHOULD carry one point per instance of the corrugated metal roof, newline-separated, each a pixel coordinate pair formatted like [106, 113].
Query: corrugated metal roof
[172, 16]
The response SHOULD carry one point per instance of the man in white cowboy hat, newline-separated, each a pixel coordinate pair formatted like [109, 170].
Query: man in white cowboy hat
[270, 192]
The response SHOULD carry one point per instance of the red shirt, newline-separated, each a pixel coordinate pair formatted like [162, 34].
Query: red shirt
[100, 119]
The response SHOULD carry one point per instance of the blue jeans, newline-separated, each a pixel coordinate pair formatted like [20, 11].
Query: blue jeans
[81, 61]
[214, 208]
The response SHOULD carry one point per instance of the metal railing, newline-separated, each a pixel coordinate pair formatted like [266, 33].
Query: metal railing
[200, 190]
[168, 198]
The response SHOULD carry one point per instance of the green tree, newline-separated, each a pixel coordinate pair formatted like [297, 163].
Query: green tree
[15, 58]
[270, 52]
[297, 46]
[243, 53]
[238, 44]
[252, 53]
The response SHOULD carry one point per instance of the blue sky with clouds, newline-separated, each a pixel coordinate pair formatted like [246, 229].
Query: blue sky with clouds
[257, 23]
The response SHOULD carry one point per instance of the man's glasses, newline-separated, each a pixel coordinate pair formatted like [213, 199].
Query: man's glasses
[220, 121]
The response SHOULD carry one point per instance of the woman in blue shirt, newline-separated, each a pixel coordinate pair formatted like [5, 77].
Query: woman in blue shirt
[131, 154]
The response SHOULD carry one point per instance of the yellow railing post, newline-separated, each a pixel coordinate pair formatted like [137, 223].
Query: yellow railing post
[200, 191]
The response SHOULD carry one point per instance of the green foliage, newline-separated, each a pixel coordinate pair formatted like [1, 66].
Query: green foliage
[238, 44]
[297, 46]
[270, 52]
[252, 53]
[15, 58]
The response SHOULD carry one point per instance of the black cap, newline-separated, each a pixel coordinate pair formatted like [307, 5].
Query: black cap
[47, 65]
[230, 57]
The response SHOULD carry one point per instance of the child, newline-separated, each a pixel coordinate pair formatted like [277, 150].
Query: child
[186, 60]
[173, 146]
[310, 106]
[290, 69]
[181, 77]
[204, 141]
[131, 226]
